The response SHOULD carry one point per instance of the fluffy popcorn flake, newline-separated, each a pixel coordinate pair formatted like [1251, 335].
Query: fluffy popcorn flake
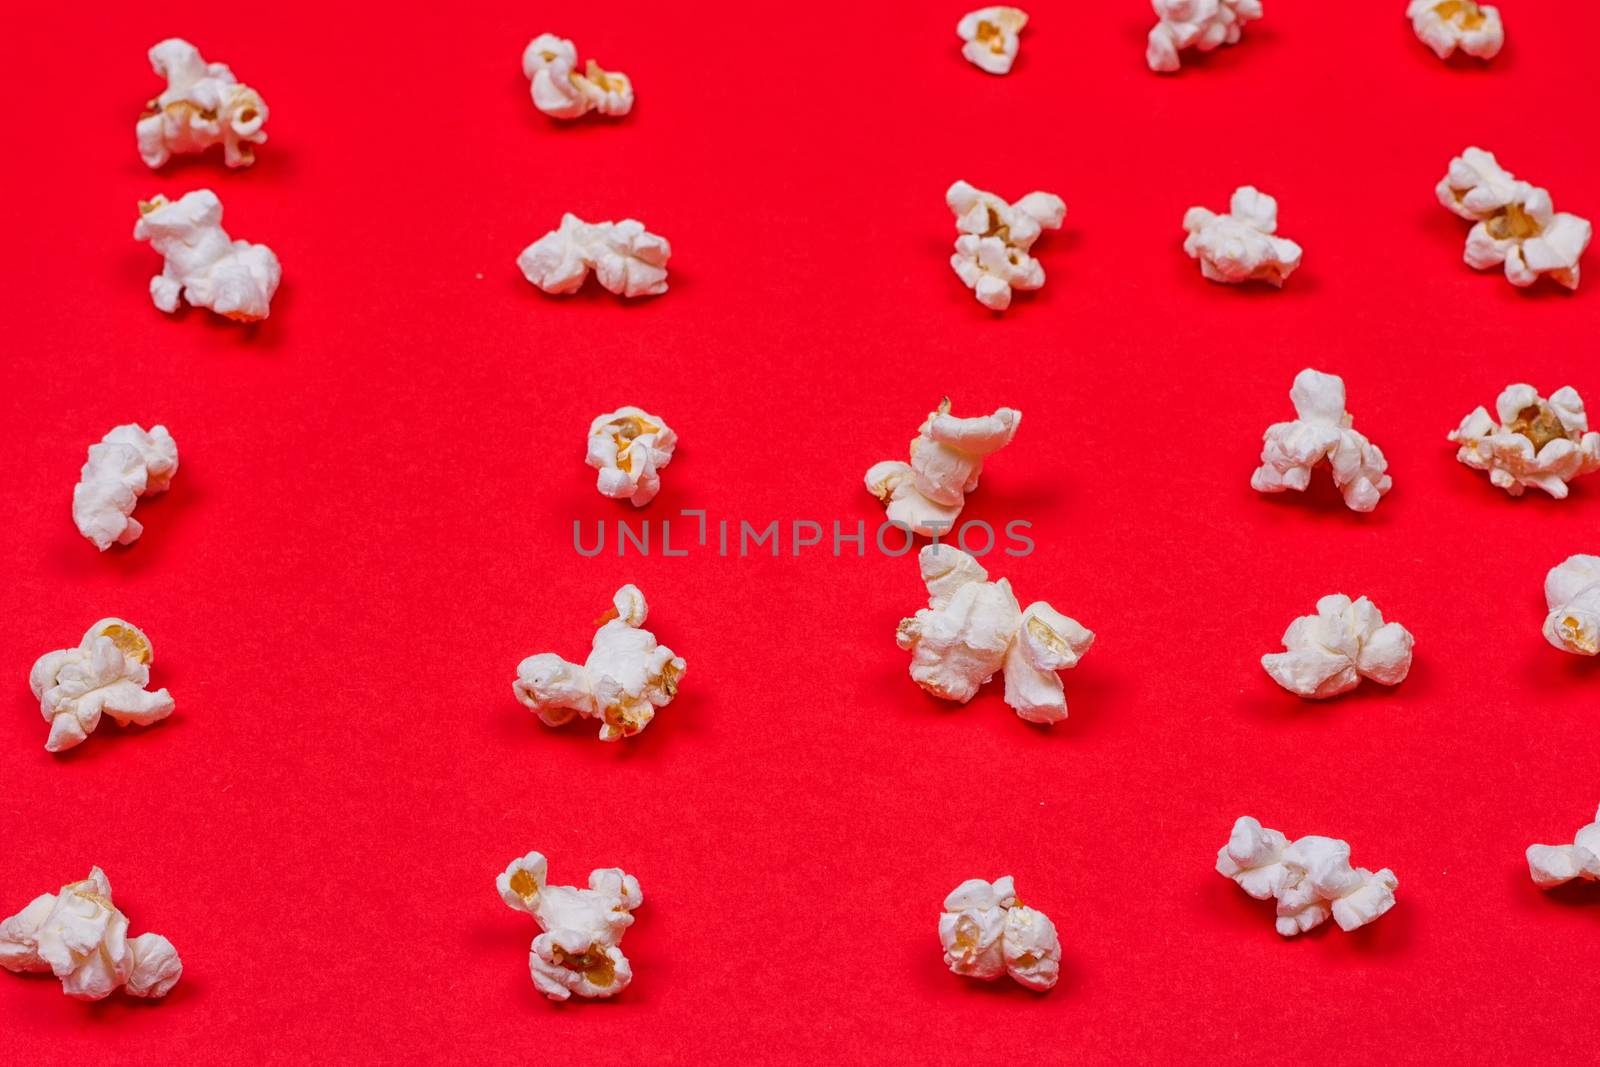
[235, 279]
[126, 464]
[1553, 865]
[626, 258]
[203, 105]
[105, 675]
[1446, 25]
[626, 677]
[1345, 641]
[1311, 879]
[1322, 431]
[926, 495]
[986, 932]
[995, 237]
[79, 935]
[629, 447]
[1514, 223]
[579, 950]
[991, 36]
[560, 91]
[1535, 442]
[1242, 245]
[1572, 594]
[1199, 24]
[973, 628]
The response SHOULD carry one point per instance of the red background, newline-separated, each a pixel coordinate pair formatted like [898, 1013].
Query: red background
[372, 525]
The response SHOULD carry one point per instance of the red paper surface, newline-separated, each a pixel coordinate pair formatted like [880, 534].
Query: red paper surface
[373, 523]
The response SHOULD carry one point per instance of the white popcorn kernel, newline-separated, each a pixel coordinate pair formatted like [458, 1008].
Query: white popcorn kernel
[235, 279]
[126, 464]
[1536, 442]
[1330, 652]
[1321, 432]
[79, 935]
[1241, 246]
[991, 35]
[1446, 25]
[106, 674]
[991, 255]
[203, 105]
[1553, 865]
[629, 447]
[927, 494]
[626, 677]
[987, 932]
[1572, 593]
[1311, 879]
[973, 628]
[550, 63]
[579, 950]
[626, 258]
[1515, 223]
[1199, 24]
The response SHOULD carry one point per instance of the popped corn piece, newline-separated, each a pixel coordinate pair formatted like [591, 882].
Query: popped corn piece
[579, 949]
[1199, 24]
[1572, 593]
[1553, 865]
[1241, 246]
[235, 279]
[1446, 25]
[79, 935]
[987, 932]
[991, 254]
[1330, 652]
[927, 494]
[106, 674]
[626, 258]
[203, 105]
[991, 35]
[973, 628]
[1515, 223]
[1321, 432]
[626, 677]
[1311, 879]
[126, 464]
[1537, 442]
[550, 63]
[629, 447]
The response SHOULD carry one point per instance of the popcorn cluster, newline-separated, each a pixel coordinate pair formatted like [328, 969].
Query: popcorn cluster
[128, 463]
[550, 63]
[973, 627]
[79, 935]
[1572, 593]
[629, 447]
[203, 105]
[626, 258]
[927, 494]
[991, 36]
[106, 674]
[1446, 25]
[1242, 245]
[1330, 652]
[986, 932]
[1310, 878]
[1199, 24]
[1514, 222]
[1321, 432]
[991, 254]
[235, 279]
[1537, 442]
[1553, 865]
[579, 951]
[626, 677]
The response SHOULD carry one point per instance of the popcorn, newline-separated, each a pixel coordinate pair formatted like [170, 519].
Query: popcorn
[203, 105]
[561, 92]
[127, 464]
[992, 252]
[1240, 246]
[1311, 878]
[579, 950]
[626, 677]
[626, 258]
[1322, 431]
[991, 36]
[107, 672]
[1572, 593]
[80, 936]
[1553, 865]
[927, 494]
[1514, 222]
[1537, 442]
[236, 279]
[1344, 642]
[986, 932]
[629, 447]
[973, 627]
[1445, 25]
[1198, 24]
